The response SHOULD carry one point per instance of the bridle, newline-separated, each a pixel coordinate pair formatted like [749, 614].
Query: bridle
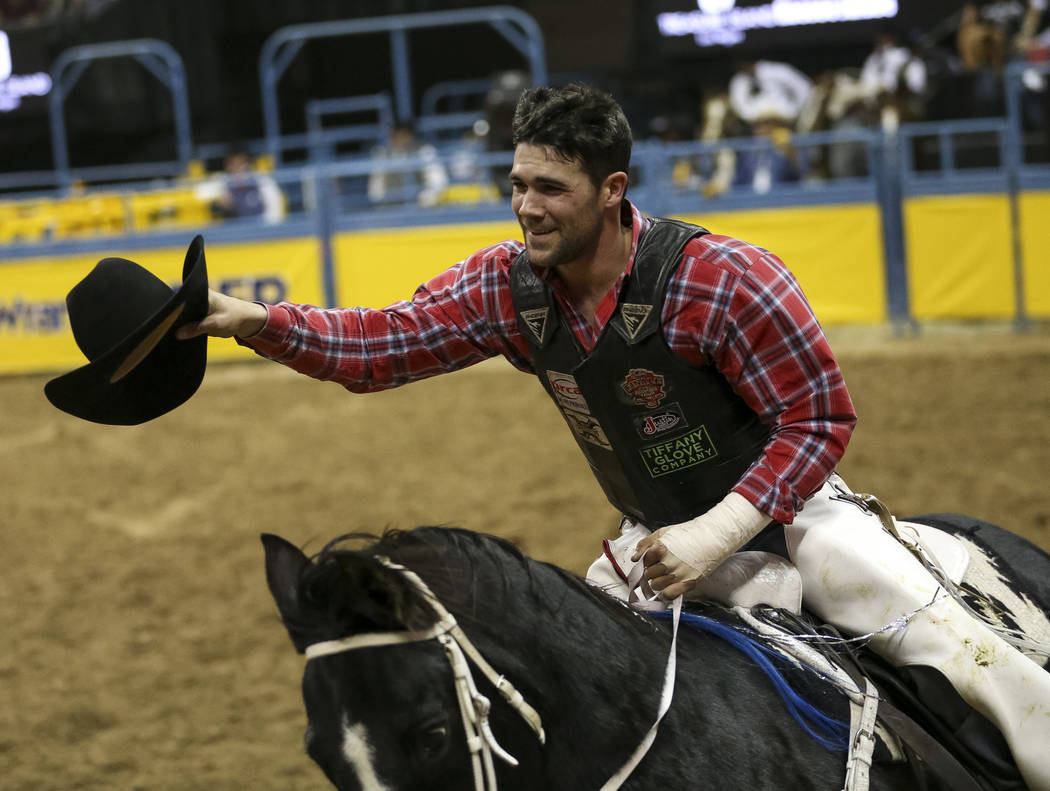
[473, 706]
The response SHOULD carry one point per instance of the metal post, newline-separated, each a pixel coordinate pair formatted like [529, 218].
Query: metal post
[402, 68]
[326, 217]
[1013, 158]
[886, 162]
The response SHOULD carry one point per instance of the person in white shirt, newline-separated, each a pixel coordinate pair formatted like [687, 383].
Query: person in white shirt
[766, 89]
[891, 68]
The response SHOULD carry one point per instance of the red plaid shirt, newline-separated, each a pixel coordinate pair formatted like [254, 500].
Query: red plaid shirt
[729, 304]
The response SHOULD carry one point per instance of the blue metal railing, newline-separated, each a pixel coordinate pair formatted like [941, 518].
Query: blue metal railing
[158, 57]
[518, 28]
[323, 141]
[324, 196]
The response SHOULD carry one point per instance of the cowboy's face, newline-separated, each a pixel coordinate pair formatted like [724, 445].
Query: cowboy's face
[556, 204]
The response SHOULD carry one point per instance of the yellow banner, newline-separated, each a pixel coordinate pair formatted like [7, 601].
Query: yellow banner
[835, 251]
[34, 329]
[959, 257]
[1035, 212]
[376, 268]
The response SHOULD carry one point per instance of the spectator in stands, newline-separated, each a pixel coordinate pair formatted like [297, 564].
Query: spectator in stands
[21, 11]
[982, 50]
[894, 79]
[469, 181]
[844, 106]
[1033, 46]
[779, 162]
[769, 96]
[404, 182]
[500, 102]
[243, 191]
[766, 89]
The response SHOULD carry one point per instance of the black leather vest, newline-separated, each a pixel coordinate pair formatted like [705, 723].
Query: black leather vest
[666, 439]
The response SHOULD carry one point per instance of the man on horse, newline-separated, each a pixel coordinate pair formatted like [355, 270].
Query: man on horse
[697, 382]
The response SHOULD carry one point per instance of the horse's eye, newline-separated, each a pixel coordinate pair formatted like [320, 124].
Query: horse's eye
[431, 742]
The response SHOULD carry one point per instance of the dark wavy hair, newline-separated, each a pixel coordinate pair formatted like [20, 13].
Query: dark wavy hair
[582, 124]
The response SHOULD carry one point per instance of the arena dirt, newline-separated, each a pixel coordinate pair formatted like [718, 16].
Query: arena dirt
[140, 648]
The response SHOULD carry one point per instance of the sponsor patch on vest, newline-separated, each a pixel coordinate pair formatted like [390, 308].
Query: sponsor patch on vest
[634, 317]
[574, 407]
[536, 321]
[587, 428]
[567, 392]
[645, 387]
[652, 424]
[679, 453]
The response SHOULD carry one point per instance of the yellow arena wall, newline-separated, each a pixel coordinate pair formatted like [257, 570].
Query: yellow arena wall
[34, 329]
[960, 264]
[959, 259]
[836, 253]
[376, 268]
[1034, 210]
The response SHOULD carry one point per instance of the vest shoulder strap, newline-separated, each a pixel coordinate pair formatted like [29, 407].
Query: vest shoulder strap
[533, 302]
[657, 258]
[638, 314]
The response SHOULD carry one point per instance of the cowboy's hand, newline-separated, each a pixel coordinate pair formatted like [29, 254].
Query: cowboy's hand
[227, 316]
[680, 555]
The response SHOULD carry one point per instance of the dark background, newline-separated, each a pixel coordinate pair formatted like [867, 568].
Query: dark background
[119, 113]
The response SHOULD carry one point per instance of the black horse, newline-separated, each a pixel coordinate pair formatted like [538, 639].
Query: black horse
[388, 718]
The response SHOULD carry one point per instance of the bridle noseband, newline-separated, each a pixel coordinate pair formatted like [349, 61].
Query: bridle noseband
[473, 706]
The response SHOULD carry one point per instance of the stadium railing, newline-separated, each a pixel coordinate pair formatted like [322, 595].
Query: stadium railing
[328, 193]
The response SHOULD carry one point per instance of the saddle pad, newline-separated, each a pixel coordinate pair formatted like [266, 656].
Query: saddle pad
[944, 548]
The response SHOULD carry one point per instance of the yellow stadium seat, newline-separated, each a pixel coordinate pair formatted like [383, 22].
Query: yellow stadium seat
[263, 163]
[168, 209]
[468, 194]
[28, 221]
[89, 215]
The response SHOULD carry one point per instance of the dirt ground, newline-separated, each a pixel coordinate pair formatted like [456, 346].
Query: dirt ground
[140, 648]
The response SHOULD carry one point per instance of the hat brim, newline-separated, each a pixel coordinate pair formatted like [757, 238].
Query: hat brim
[150, 372]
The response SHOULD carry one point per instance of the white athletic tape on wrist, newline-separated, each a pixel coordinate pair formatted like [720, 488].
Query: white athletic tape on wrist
[699, 546]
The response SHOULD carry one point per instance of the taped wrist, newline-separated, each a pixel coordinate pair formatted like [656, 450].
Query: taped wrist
[699, 546]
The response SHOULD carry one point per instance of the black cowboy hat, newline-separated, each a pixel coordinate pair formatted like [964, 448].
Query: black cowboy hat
[124, 320]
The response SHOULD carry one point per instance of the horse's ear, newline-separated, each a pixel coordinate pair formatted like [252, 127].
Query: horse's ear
[285, 563]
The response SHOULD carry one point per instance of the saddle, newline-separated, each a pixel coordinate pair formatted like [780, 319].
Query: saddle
[898, 714]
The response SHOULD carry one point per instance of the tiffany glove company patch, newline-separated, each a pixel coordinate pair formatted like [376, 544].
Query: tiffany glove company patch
[679, 453]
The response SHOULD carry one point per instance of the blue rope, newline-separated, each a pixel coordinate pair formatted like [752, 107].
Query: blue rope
[824, 729]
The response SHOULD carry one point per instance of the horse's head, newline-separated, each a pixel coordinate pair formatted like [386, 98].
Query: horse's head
[378, 718]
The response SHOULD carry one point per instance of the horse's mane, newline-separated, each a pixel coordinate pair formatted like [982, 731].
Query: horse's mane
[346, 589]
[339, 594]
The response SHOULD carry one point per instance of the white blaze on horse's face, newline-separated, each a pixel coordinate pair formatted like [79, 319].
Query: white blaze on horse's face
[357, 750]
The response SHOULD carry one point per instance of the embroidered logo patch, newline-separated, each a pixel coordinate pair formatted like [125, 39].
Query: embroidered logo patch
[645, 387]
[536, 321]
[634, 317]
[567, 392]
[679, 453]
[587, 428]
[574, 407]
[652, 424]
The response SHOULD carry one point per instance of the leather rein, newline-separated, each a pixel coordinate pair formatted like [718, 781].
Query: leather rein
[473, 706]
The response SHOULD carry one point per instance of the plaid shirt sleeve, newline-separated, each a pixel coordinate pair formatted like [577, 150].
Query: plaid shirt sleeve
[460, 317]
[737, 307]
